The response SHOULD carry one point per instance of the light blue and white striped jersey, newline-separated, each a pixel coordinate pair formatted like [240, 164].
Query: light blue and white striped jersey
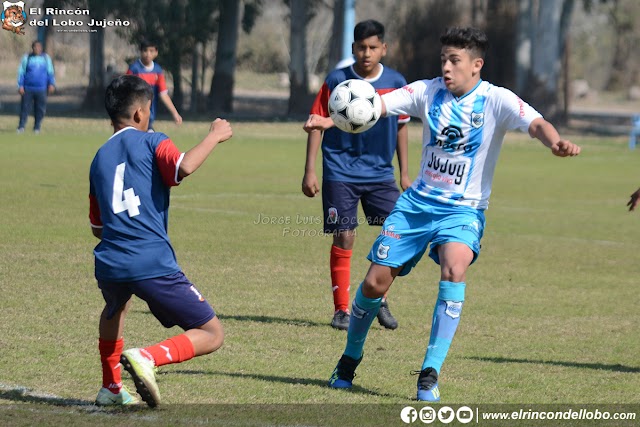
[462, 136]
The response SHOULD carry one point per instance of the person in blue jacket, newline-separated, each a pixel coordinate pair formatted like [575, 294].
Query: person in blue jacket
[36, 79]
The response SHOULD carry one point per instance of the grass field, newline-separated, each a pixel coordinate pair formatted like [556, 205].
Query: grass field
[551, 313]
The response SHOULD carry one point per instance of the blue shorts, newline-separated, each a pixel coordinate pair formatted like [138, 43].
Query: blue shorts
[415, 223]
[340, 203]
[172, 299]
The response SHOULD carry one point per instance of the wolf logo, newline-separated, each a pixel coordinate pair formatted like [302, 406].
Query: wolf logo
[13, 17]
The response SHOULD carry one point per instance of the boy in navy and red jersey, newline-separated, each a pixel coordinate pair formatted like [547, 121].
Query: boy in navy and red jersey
[356, 167]
[152, 73]
[130, 179]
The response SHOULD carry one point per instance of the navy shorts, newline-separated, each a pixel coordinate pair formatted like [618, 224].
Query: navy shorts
[172, 299]
[340, 203]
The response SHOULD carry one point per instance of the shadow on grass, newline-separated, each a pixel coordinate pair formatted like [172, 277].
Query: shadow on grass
[284, 380]
[259, 319]
[28, 397]
[21, 394]
[271, 319]
[595, 366]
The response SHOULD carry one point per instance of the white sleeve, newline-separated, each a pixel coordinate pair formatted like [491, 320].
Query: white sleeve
[513, 112]
[408, 100]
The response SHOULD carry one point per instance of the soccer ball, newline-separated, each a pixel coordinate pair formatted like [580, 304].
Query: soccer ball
[354, 106]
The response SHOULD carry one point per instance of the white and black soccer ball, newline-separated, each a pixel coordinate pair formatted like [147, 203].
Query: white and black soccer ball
[354, 106]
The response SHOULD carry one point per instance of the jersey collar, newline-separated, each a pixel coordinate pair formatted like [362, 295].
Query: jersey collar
[149, 68]
[371, 79]
[466, 94]
[121, 130]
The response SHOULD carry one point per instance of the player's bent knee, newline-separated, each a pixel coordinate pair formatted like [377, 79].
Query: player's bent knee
[208, 337]
[373, 287]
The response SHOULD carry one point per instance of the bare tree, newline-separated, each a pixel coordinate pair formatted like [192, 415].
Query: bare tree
[298, 75]
[94, 98]
[550, 32]
[623, 15]
[221, 93]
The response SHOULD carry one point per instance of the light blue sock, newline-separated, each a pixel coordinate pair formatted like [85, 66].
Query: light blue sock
[446, 316]
[363, 311]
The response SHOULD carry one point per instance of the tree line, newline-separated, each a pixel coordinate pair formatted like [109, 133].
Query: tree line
[528, 53]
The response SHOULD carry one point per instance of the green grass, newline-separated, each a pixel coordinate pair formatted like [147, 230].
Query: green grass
[551, 313]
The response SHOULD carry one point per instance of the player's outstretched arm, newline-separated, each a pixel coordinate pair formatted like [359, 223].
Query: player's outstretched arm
[549, 136]
[219, 131]
[310, 185]
[635, 198]
[316, 122]
[166, 100]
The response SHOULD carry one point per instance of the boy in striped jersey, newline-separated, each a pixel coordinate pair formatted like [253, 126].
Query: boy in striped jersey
[465, 120]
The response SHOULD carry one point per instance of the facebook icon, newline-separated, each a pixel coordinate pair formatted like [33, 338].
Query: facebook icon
[408, 414]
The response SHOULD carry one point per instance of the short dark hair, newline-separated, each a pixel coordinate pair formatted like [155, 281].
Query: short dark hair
[368, 28]
[123, 93]
[35, 42]
[469, 38]
[145, 43]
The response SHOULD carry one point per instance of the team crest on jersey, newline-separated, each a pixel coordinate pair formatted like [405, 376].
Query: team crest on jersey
[383, 251]
[477, 120]
[332, 218]
[434, 111]
[13, 17]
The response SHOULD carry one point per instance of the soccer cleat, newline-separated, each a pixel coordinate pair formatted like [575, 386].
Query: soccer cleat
[124, 397]
[143, 373]
[345, 371]
[340, 320]
[36, 131]
[385, 318]
[428, 385]
[20, 130]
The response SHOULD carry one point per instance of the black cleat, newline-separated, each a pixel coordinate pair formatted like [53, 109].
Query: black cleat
[385, 318]
[345, 371]
[428, 385]
[340, 320]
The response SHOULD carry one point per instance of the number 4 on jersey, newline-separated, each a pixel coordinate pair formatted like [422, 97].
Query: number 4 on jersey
[130, 201]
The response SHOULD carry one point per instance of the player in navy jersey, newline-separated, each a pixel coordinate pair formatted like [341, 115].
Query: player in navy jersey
[152, 73]
[130, 179]
[465, 122]
[356, 167]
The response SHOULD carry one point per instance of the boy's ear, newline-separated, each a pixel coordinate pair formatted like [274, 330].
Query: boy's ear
[477, 64]
[137, 115]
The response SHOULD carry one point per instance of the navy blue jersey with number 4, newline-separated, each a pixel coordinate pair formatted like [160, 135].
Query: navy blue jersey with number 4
[130, 179]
